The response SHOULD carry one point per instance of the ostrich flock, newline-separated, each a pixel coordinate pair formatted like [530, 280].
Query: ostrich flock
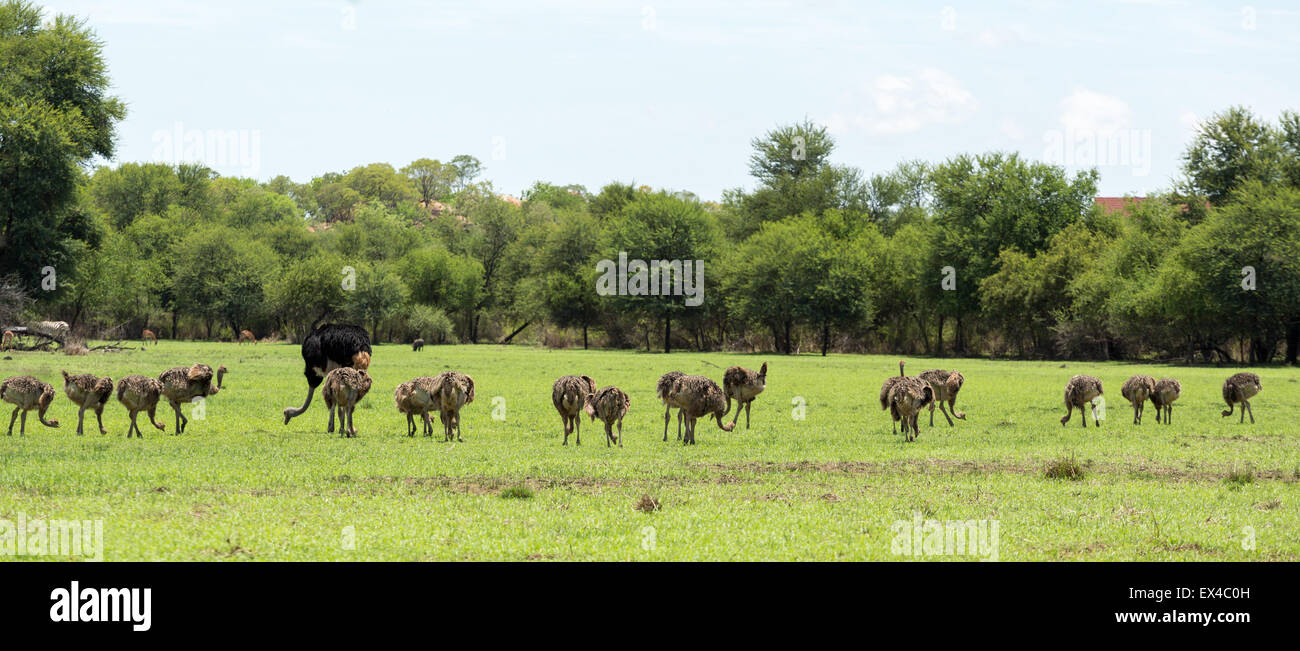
[337, 359]
[905, 396]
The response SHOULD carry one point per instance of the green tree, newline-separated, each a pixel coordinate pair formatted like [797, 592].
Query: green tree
[467, 169]
[380, 182]
[567, 268]
[55, 115]
[984, 204]
[379, 294]
[133, 190]
[219, 276]
[662, 227]
[307, 292]
[1230, 149]
[432, 179]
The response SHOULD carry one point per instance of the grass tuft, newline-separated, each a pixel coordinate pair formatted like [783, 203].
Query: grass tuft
[1064, 468]
[1239, 476]
[517, 492]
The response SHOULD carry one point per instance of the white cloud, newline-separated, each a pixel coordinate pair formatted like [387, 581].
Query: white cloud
[1092, 112]
[999, 37]
[1012, 129]
[894, 104]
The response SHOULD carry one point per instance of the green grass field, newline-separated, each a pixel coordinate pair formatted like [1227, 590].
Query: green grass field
[240, 485]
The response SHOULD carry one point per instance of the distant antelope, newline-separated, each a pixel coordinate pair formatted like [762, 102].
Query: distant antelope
[139, 393]
[8, 341]
[906, 399]
[88, 392]
[569, 395]
[1082, 390]
[610, 405]
[1240, 388]
[1137, 390]
[945, 386]
[247, 335]
[884, 393]
[417, 345]
[744, 385]
[27, 393]
[148, 336]
[342, 389]
[1167, 390]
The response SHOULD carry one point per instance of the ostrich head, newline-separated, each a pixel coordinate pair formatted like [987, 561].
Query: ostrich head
[47, 396]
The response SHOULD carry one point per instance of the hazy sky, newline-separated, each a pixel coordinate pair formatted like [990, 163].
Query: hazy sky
[670, 94]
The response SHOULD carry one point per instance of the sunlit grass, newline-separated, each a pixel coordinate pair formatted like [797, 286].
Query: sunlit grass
[241, 485]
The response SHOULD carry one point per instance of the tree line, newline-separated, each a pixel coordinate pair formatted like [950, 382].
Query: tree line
[980, 254]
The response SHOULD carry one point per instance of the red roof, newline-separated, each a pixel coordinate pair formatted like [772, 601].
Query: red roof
[1116, 204]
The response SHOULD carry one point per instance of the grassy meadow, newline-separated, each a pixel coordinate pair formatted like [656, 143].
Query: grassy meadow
[240, 485]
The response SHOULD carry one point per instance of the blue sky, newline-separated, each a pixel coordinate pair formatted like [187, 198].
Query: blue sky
[670, 94]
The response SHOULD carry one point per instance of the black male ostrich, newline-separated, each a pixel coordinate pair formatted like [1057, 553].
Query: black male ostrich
[329, 347]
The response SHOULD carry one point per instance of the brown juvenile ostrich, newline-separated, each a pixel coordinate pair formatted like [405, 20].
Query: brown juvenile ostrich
[1241, 388]
[1137, 390]
[1081, 390]
[139, 393]
[945, 386]
[27, 393]
[699, 397]
[88, 392]
[148, 336]
[416, 397]
[744, 385]
[907, 397]
[342, 389]
[183, 384]
[247, 335]
[609, 405]
[1166, 391]
[662, 390]
[453, 390]
[417, 345]
[569, 395]
[221, 373]
[886, 387]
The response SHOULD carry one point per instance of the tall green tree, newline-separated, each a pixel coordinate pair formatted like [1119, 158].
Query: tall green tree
[1230, 149]
[432, 179]
[665, 228]
[56, 114]
[984, 204]
[468, 169]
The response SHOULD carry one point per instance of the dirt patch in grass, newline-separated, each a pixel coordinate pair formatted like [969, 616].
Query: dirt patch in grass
[495, 485]
[1135, 470]
[1083, 550]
